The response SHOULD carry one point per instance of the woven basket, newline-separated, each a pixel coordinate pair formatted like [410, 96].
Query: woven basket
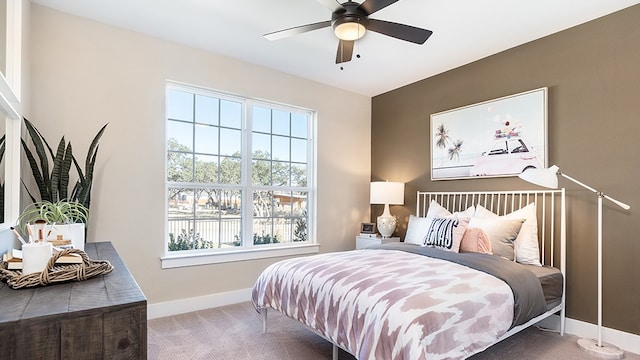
[57, 273]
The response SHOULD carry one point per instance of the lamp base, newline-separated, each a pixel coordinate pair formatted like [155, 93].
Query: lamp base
[386, 225]
[605, 351]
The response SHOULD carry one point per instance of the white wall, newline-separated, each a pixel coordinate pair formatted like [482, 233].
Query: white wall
[85, 74]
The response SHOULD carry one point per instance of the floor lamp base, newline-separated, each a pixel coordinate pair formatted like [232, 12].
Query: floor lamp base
[605, 351]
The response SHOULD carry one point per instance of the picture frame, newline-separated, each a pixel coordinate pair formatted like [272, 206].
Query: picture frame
[495, 138]
[367, 228]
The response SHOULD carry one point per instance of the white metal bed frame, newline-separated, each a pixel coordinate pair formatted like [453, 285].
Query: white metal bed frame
[549, 214]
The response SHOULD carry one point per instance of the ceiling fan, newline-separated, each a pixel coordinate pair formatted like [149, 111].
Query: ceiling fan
[350, 21]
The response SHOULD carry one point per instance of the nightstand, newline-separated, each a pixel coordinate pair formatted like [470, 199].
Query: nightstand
[364, 241]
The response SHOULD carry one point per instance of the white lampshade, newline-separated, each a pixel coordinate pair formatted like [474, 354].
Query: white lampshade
[385, 192]
[543, 177]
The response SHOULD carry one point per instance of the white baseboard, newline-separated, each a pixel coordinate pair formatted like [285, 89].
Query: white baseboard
[182, 306]
[623, 340]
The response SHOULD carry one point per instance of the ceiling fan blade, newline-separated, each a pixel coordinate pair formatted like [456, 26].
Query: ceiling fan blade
[345, 51]
[399, 31]
[332, 5]
[297, 30]
[371, 6]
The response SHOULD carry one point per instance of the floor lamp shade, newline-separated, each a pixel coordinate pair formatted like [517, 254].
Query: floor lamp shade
[387, 193]
[549, 178]
[542, 177]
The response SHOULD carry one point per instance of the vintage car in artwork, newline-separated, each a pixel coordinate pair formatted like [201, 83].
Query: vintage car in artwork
[508, 155]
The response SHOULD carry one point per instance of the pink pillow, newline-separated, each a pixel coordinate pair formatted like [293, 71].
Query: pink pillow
[475, 240]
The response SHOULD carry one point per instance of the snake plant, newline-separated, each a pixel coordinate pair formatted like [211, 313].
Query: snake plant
[53, 185]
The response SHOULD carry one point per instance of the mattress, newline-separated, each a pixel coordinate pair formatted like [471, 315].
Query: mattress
[551, 280]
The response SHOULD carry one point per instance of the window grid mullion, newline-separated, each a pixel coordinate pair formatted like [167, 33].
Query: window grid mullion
[247, 208]
[193, 170]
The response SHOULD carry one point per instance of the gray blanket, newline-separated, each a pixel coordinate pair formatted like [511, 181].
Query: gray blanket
[527, 292]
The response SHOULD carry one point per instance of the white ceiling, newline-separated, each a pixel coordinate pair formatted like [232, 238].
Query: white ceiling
[464, 31]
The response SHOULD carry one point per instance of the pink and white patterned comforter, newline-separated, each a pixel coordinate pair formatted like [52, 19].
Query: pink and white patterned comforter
[390, 304]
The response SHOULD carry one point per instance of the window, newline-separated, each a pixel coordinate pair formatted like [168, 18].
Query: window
[238, 174]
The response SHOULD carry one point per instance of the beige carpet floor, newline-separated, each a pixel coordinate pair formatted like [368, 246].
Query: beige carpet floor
[234, 332]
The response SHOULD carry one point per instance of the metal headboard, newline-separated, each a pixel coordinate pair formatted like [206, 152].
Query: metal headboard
[550, 206]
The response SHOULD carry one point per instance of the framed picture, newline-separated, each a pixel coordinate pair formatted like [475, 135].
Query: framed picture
[500, 137]
[367, 228]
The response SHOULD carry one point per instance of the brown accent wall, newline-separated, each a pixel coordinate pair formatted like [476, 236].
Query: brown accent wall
[593, 75]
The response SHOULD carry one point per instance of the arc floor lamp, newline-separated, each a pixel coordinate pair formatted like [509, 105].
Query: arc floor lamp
[549, 178]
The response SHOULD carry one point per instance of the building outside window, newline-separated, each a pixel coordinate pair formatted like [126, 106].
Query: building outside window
[239, 172]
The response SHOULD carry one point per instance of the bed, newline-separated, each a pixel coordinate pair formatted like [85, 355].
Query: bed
[474, 268]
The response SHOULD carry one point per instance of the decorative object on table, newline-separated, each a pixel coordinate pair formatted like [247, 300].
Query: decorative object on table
[14, 259]
[499, 137]
[63, 221]
[36, 230]
[35, 257]
[387, 193]
[51, 170]
[55, 272]
[549, 178]
[367, 228]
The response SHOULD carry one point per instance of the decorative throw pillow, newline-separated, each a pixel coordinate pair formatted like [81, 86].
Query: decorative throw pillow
[501, 232]
[475, 240]
[417, 230]
[526, 244]
[446, 232]
[437, 210]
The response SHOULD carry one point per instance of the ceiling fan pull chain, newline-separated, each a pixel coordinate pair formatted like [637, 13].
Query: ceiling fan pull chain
[341, 47]
[358, 41]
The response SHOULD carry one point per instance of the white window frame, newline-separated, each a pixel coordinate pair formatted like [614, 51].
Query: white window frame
[11, 109]
[248, 251]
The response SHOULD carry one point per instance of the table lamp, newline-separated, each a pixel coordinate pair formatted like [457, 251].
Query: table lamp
[387, 193]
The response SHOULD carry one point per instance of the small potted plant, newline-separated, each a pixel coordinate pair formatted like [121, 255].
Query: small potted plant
[62, 219]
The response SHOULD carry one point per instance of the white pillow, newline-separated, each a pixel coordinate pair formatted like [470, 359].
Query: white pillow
[417, 230]
[526, 244]
[501, 233]
[446, 232]
[437, 210]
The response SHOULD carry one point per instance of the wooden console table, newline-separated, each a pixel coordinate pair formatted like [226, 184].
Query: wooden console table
[101, 318]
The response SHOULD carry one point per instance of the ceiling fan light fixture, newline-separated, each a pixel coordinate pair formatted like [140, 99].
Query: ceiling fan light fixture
[350, 21]
[349, 31]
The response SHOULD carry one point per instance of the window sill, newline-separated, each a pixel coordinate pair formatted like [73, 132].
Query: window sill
[175, 261]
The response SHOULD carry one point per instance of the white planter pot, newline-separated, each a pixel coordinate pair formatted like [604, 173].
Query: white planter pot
[73, 232]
